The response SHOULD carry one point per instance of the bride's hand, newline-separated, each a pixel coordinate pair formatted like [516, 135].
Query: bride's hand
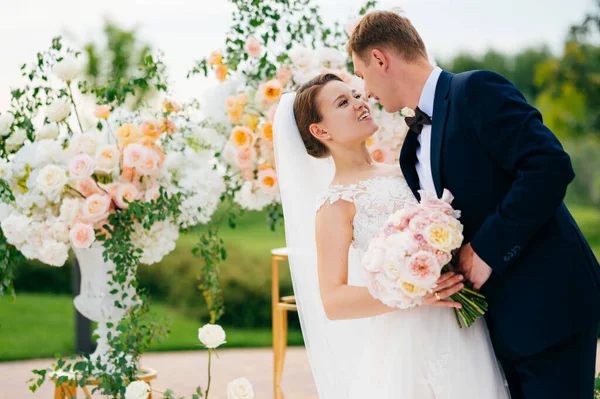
[447, 285]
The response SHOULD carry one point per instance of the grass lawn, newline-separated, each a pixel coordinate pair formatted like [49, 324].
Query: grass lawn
[39, 325]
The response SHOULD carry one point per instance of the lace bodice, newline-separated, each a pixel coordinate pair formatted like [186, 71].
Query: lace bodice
[375, 200]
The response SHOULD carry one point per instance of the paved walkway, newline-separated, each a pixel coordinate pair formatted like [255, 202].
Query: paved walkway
[183, 371]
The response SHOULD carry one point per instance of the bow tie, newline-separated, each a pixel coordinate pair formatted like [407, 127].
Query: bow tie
[415, 123]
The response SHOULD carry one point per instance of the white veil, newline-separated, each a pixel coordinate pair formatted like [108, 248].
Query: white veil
[334, 347]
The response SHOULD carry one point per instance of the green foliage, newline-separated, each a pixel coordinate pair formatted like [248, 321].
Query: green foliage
[124, 68]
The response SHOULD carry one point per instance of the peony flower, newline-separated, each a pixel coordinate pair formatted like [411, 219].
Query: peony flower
[81, 166]
[58, 110]
[16, 228]
[240, 388]
[107, 159]
[267, 181]
[271, 91]
[221, 72]
[242, 137]
[68, 68]
[168, 126]
[440, 237]
[51, 181]
[86, 143]
[54, 253]
[49, 131]
[133, 154]
[6, 121]
[102, 111]
[82, 235]
[5, 170]
[171, 106]
[266, 131]
[215, 58]
[95, 207]
[284, 74]
[128, 134]
[418, 224]
[148, 164]
[252, 47]
[211, 335]
[137, 390]
[250, 121]
[125, 191]
[423, 269]
[151, 129]
[69, 210]
[16, 139]
[245, 159]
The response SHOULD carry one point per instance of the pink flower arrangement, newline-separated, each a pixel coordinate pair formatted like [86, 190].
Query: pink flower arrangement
[405, 260]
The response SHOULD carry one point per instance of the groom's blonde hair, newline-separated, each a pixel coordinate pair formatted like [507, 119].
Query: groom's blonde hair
[386, 29]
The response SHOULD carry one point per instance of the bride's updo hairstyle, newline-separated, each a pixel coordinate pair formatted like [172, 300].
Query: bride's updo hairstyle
[307, 113]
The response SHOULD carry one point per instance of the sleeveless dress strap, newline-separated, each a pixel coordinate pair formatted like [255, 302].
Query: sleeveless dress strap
[338, 192]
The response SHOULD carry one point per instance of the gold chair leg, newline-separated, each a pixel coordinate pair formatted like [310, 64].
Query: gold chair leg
[278, 350]
[58, 392]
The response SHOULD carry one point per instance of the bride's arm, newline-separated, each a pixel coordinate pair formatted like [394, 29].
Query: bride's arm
[340, 300]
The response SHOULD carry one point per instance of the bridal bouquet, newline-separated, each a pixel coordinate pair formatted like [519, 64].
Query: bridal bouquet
[404, 261]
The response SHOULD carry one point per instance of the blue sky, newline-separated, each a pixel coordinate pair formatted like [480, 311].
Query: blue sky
[188, 29]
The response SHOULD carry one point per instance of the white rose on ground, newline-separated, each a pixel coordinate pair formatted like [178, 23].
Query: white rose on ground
[68, 68]
[137, 390]
[240, 388]
[48, 131]
[52, 180]
[58, 110]
[6, 121]
[16, 139]
[211, 335]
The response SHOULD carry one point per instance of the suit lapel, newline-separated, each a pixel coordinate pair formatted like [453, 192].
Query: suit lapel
[440, 112]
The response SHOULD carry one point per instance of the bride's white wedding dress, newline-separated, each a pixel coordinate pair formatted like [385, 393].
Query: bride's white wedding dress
[419, 353]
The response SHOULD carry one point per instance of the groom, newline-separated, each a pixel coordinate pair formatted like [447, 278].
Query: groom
[475, 134]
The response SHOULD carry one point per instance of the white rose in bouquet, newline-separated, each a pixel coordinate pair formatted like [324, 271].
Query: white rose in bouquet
[87, 142]
[6, 121]
[5, 170]
[81, 166]
[58, 110]
[51, 181]
[5, 211]
[240, 388]
[211, 335]
[16, 228]
[137, 390]
[16, 139]
[54, 253]
[48, 131]
[68, 68]
[107, 159]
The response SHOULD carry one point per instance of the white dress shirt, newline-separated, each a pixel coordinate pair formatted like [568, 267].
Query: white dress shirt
[423, 164]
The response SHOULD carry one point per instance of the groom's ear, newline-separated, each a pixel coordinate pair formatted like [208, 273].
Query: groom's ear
[380, 58]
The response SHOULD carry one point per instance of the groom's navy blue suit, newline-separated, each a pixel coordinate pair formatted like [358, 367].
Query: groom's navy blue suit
[509, 174]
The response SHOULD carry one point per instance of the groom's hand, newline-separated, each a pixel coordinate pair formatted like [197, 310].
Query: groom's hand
[473, 267]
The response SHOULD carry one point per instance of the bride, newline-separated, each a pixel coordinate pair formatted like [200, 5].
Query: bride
[335, 199]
